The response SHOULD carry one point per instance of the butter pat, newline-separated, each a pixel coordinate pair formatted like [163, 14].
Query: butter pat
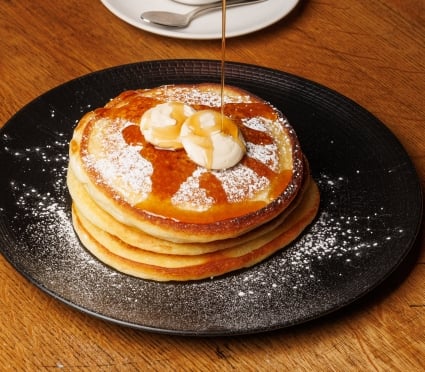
[212, 140]
[161, 124]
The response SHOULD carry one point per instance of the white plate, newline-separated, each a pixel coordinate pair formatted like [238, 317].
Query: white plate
[239, 20]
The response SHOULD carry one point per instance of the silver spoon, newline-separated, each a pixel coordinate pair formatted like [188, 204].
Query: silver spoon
[171, 19]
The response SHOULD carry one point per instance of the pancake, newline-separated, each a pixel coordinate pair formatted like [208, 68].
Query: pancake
[166, 195]
[168, 267]
[151, 205]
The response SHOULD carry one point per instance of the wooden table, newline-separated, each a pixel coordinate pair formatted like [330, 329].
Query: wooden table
[370, 51]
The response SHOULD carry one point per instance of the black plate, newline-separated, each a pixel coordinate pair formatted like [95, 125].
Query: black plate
[369, 218]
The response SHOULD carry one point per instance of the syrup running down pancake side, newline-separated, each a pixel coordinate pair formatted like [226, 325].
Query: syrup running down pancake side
[158, 201]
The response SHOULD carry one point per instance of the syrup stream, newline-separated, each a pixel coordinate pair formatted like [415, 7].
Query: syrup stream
[223, 55]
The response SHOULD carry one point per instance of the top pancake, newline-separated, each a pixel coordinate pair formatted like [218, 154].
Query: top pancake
[164, 193]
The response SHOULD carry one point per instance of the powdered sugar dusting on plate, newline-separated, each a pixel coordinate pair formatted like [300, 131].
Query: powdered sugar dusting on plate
[52, 255]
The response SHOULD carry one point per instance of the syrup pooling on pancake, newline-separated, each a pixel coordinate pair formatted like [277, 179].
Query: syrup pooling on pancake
[165, 193]
[137, 169]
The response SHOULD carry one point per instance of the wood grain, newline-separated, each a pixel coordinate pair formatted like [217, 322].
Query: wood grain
[370, 51]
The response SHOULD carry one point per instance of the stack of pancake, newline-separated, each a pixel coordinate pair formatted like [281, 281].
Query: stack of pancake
[155, 214]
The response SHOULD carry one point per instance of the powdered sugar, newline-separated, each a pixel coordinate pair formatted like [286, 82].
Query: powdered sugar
[241, 182]
[190, 195]
[266, 154]
[257, 123]
[191, 96]
[120, 165]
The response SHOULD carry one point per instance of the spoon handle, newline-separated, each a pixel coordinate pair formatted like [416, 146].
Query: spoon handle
[218, 4]
[195, 2]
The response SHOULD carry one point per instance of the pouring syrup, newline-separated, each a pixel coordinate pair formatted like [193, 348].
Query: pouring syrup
[223, 55]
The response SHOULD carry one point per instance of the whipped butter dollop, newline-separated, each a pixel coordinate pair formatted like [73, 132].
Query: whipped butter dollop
[212, 140]
[209, 138]
[161, 124]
